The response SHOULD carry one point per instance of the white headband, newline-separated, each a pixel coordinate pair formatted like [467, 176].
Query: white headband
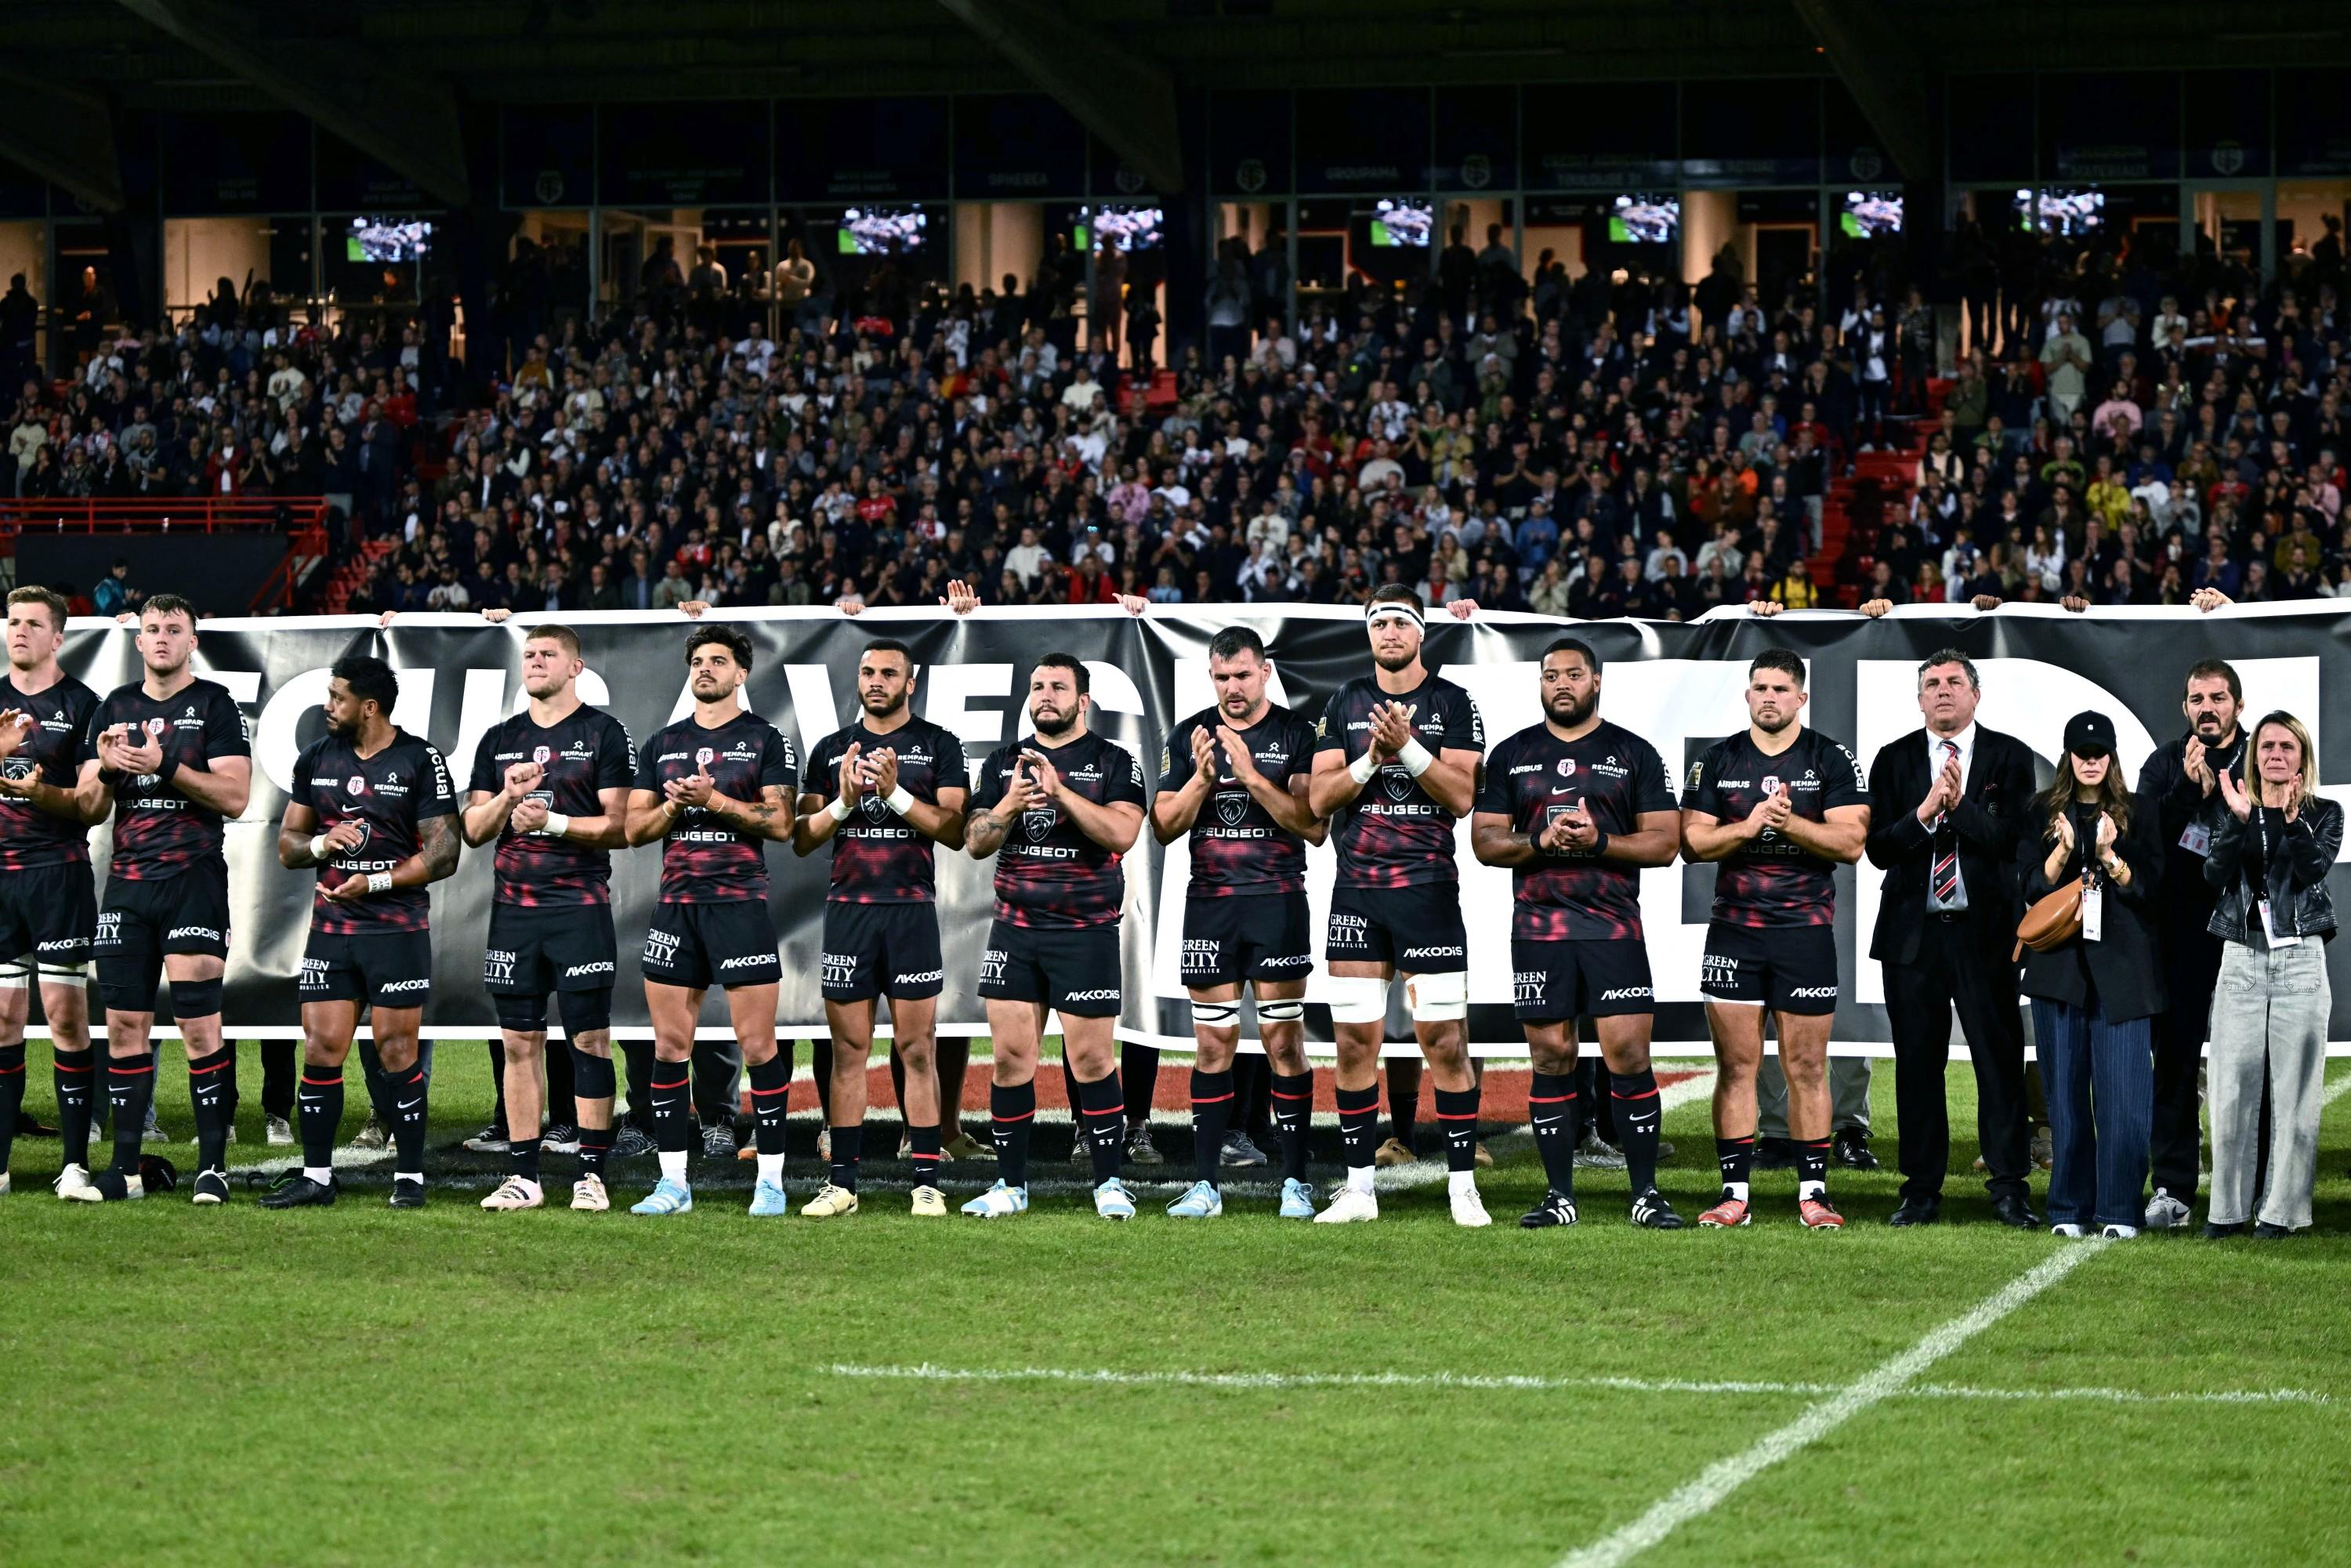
[1404, 607]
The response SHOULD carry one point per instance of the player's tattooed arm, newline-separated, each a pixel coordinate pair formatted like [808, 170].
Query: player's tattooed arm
[437, 855]
[985, 829]
[768, 817]
[1495, 843]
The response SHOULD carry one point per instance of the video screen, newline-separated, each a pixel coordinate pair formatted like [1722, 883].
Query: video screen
[387, 239]
[2061, 212]
[1870, 213]
[1644, 220]
[1403, 224]
[883, 231]
[1120, 228]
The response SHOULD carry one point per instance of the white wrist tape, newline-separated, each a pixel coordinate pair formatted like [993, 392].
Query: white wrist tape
[1363, 767]
[899, 799]
[557, 824]
[839, 809]
[1415, 757]
[378, 881]
[319, 850]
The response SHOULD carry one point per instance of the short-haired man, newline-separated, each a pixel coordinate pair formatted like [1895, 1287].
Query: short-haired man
[1578, 807]
[369, 808]
[2180, 780]
[1949, 804]
[1235, 776]
[1060, 815]
[1780, 806]
[550, 784]
[716, 786]
[171, 755]
[881, 790]
[49, 901]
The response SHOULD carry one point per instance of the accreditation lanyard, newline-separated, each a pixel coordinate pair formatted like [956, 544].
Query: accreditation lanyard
[2260, 895]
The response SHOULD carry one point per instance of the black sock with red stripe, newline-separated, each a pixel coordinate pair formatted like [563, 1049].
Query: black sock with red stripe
[406, 1092]
[1638, 1116]
[71, 1070]
[1293, 1115]
[771, 1084]
[319, 1106]
[1737, 1158]
[12, 1096]
[595, 1144]
[848, 1145]
[1812, 1167]
[1012, 1111]
[1457, 1112]
[212, 1087]
[923, 1148]
[1102, 1102]
[670, 1088]
[1551, 1109]
[1212, 1112]
[129, 1090]
[1359, 1125]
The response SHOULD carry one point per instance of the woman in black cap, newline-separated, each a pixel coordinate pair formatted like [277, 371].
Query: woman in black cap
[2095, 995]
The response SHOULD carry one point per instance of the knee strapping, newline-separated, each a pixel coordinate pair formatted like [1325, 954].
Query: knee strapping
[1289, 1011]
[1358, 998]
[1438, 998]
[1215, 1015]
[195, 998]
[520, 1014]
[591, 1076]
[585, 1012]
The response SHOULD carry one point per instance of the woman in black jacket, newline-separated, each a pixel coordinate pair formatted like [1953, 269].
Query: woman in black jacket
[2095, 996]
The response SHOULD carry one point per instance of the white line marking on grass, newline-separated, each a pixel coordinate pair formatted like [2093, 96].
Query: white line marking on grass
[1889, 1377]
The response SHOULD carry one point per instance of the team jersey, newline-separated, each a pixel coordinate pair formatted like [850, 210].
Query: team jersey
[1237, 847]
[1772, 881]
[391, 796]
[879, 857]
[584, 752]
[1533, 778]
[1394, 834]
[704, 860]
[158, 832]
[1049, 873]
[60, 742]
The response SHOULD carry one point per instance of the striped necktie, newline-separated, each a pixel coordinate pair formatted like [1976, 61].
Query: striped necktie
[1944, 881]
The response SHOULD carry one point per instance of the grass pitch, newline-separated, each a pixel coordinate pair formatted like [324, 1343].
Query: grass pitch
[356, 1386]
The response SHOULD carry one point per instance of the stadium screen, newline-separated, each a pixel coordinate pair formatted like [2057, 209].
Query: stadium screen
[2061, 212]
[387, 239]
[1868, 214]
[1644, 220]
[1395, 223]
[883, 231]
[1122, 228]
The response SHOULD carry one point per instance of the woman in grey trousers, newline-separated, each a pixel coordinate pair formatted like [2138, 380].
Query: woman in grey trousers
[2270, 860]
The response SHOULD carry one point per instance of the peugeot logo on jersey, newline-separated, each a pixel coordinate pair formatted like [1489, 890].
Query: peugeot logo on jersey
[1397, 782]
[1040, 824]
[17, 767]
[1231, 808]
[876, 809]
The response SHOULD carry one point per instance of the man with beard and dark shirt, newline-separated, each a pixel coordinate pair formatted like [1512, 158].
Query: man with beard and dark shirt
[2180, 781]
[1395, 766]
[718, 786]
[172, 759]
[369, 808]
[1780, 806]
[882, 791]
[1577, 807]
[1235, 778]
[551, 786]
[1064, 812]
[49, 903]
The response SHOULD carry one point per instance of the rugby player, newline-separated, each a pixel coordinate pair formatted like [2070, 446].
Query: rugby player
[170, 755]
[1062, 811]
[1577, 806]
[881, 790]
[1395, 766]
[1780, 806]
[717, 787]
[48, 898]
[550, 784]
[371, 809]
[1234, 776]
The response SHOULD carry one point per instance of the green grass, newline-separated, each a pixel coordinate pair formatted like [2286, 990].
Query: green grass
[356, 1386]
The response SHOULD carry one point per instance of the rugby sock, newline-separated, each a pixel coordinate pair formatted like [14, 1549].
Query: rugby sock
[925, 1151]
[129, 1090]
[1104, 1108]
[1812, 1167]
[1358, 1132]
[1458, 1109]
[1635, 1097]
[72, 1072]
[595, 1142]
[211, 1084]
[670, 1087]
[1736, 1156]
[522, 1156]
[637, 1060]
[1551, 1107]
[1404, 1101]
[1012, 1111]
[1293, 1114]
[319, 1103]
[562, 1107]
[1138, 1069]
[1212, 1112]
[497, 1091]
[406, 1093]
[1070, 1093]
[771, 1084]
[12, 1097]
[848, 1142]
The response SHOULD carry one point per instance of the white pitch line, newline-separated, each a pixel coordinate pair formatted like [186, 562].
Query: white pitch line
[1528, 1383]
[1889, 1377]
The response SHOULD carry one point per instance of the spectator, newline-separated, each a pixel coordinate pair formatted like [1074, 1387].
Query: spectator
[114, 595]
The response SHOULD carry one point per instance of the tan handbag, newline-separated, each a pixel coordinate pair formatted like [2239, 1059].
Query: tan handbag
[2055, 919]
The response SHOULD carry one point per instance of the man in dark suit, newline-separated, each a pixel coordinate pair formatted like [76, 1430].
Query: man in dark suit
[1948, 804]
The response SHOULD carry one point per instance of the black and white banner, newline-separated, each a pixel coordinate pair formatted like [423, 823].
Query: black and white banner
[1678, 686]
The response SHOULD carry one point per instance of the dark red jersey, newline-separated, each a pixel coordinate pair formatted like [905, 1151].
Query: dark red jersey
[158, 832]
[1049, 873]
[705, 859]
[1237, 847]
[878, 857]
[582, 753]
[1534, 779]
[1394, 834]
[53, 753]
[390, 796]
[1774, 880]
